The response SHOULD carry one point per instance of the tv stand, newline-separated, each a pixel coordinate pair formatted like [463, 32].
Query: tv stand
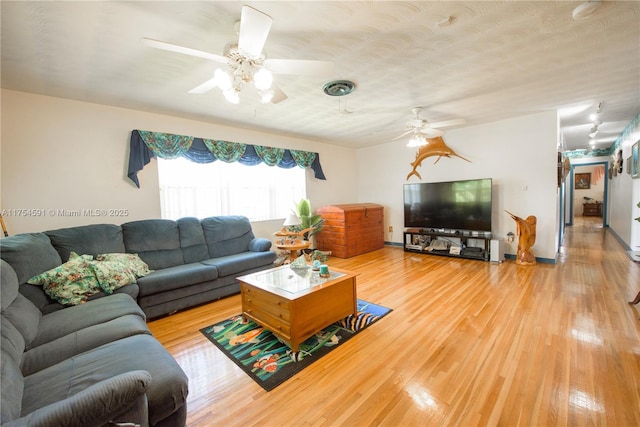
[451, 243]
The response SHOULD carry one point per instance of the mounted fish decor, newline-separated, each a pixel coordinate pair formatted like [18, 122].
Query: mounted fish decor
[434, 147]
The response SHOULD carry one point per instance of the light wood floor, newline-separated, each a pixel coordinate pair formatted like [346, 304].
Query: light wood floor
[468, 343]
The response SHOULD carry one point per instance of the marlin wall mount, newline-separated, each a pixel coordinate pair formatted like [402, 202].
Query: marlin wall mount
[435, 147]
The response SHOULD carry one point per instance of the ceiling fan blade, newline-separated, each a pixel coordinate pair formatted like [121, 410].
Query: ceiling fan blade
[183, 50]
[278, 95]
[403, 134]
[204, 87]
[447, 123]
[305, 67]
[254, 29]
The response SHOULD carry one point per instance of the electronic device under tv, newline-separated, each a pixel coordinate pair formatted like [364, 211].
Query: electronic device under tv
[453, 205]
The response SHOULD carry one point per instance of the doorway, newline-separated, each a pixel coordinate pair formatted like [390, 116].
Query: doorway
[588, 192]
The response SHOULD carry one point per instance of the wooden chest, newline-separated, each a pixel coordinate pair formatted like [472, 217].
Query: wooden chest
[351, 229]
[592, 209]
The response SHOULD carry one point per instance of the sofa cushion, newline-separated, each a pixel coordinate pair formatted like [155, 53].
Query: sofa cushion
[96, 405]
[240, 263]
[85, 339]
[8, 284]
[16, 309]
[24, 316]
[87, 239]
[11, 387]
[72, 319]
[156, 241]
[70, 283]
[45, 304]
[260, 244]
[12, 341]
[166, 393]
[29, 254]
[227, 235]
[176, 277]
[192, 241]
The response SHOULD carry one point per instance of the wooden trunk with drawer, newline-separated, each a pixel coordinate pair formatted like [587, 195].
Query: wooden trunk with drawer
[351, 229]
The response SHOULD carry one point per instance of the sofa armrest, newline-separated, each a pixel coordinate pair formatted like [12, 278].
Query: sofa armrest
[97, 405]
[260, 244]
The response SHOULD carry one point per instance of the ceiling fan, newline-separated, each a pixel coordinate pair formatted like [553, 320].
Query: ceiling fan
[420, 129]
[246, 61]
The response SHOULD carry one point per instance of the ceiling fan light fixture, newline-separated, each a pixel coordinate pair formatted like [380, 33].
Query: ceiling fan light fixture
[263, 79]
[417, 141]
[266, 95]
[231, 95]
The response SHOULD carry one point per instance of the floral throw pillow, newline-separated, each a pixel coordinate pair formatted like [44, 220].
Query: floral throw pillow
[71, 283]
[112, 275]
[73, 256]
[131, 261]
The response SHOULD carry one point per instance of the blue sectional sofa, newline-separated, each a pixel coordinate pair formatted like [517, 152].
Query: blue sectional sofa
[193, 261]
[88, 365]
[96, 363]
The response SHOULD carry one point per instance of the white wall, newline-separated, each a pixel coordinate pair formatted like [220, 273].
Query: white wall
[624, 195]
[63, 155]
[519, 154]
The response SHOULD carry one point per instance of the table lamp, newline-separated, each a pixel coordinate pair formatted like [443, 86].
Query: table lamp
[291, 220]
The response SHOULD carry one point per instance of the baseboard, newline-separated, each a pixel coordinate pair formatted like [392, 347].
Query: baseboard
[394, 244]
[634, 255]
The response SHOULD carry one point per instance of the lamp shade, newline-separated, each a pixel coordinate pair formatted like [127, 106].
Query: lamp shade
[292, 219]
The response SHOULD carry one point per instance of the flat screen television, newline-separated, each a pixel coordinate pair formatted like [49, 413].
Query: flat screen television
[454, 205]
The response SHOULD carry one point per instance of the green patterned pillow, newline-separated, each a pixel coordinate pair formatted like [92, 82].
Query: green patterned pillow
[112, 275]
[73, 256]
[71, 283]
[131, 261]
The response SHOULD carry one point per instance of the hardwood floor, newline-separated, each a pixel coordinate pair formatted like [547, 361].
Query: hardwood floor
[468, 343]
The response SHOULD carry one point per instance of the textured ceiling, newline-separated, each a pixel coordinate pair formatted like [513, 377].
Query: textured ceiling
[495, 60]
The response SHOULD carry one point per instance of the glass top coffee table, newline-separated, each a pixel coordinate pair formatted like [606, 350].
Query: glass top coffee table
[296, 303]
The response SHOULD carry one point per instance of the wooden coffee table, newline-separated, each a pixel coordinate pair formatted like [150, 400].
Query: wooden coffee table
[294, 304]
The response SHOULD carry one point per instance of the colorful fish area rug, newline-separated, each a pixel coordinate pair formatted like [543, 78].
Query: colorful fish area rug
[268, 361]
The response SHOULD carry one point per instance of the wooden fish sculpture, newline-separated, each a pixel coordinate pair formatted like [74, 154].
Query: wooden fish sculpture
[526, 229]
[435, 147]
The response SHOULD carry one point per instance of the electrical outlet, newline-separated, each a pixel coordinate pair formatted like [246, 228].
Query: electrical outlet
[390, 229]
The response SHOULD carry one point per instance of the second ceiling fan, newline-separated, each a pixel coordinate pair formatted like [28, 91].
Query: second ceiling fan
[246, 62]
[421, 130]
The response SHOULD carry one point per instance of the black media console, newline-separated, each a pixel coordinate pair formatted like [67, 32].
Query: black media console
[451, 243]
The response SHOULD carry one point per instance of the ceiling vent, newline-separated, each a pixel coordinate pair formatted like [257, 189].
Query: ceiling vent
[339, 87]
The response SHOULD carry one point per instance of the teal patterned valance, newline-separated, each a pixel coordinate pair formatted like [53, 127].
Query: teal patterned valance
[144, 145]
[166, 145]
[271, 156]
[304, 159]
[226, 151]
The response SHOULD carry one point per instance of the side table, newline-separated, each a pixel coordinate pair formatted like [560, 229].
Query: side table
[293, 247]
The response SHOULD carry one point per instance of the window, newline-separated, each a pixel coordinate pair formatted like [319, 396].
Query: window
[258, 192]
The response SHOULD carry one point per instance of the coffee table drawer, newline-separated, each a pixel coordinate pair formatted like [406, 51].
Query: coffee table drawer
[273, 323]
[267, 303]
